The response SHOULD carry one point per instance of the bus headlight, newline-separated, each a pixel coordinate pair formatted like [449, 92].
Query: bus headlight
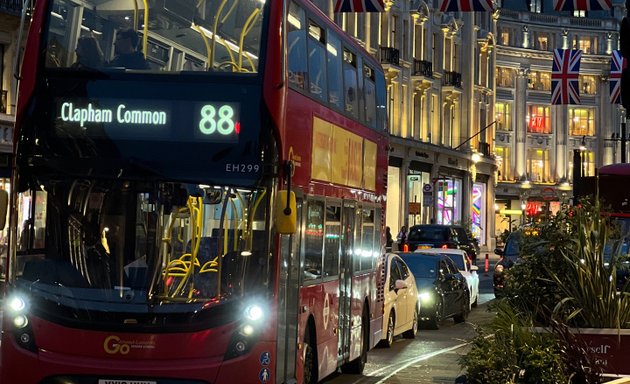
[17, 304]
[254, 312]
[20, 321]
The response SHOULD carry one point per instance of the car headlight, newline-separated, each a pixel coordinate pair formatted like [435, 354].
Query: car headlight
[425, 296]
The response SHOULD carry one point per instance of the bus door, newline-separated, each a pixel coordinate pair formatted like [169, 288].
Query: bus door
[345, 279]
[288, 298]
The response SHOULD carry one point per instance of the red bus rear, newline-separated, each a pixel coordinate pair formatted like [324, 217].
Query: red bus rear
[197, 196]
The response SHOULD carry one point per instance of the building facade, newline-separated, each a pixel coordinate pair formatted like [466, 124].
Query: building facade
[441, 98]
[475, 138]
[537, 143]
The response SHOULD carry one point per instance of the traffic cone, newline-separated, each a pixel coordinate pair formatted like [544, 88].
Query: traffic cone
[486, 269]
[405, 248]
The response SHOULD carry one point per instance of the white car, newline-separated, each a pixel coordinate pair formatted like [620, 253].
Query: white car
[401, 301]
[460, 258]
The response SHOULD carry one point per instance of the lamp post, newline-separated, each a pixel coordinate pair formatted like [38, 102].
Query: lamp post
[577, 175]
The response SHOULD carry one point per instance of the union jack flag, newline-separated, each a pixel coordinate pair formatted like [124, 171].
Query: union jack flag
[617, 64]
[582, 5]
[359, 6]
[564, 76]
[466, 5]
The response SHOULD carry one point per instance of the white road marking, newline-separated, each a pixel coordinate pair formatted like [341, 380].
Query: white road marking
[414, 361]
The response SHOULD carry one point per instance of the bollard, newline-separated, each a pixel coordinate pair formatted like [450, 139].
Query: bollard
[405, 248]
[486, 269]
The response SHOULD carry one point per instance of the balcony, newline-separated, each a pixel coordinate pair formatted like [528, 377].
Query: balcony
[422, 74]
[452, 84]
[452, 79]
[423, 68]
[390, 55]
[390, 59]
[13, 7]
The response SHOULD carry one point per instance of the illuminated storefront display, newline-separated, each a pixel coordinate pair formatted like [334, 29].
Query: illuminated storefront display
[449, 201]
[478, 209]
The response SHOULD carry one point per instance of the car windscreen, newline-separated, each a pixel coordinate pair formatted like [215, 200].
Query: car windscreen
[458, 260]
[430, 234]
[421, 266]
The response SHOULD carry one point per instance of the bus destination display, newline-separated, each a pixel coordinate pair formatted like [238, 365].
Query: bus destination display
[148, 120]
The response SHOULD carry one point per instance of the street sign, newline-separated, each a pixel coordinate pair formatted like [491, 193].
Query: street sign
[427, 188]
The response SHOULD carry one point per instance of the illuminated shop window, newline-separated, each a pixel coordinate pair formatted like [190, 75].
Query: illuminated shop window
[538, 119]
[503, 156]
[588, 85]
[504, 116]
[539, 81]
[581, 122]
[538, 165]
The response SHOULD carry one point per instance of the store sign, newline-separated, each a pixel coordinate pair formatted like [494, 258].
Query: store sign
[537, 123]
[532, 208]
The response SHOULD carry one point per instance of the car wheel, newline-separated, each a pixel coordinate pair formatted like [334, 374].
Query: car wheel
[463, 314]
[411, 333]
[389, 336]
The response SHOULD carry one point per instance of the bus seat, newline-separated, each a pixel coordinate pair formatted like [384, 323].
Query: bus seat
[207, 249]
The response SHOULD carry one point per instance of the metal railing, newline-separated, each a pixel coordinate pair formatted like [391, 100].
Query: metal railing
[452, 78]
[390, 55]
[422, 68]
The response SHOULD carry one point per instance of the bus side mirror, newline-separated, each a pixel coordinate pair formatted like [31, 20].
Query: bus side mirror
[286, 213]
[4, 204]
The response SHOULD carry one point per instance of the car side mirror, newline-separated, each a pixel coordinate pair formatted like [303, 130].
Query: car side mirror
[499, 252]
[400, 284]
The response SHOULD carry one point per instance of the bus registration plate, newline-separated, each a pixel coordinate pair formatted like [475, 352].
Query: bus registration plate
[110, 381]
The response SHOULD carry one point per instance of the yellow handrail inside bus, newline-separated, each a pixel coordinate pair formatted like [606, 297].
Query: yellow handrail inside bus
[214, 32]
[135, 15]
[145, 37]
[205, 41]
[249, 24]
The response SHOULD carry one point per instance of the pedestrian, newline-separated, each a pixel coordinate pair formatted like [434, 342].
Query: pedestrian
[389, 240]
[402, 237]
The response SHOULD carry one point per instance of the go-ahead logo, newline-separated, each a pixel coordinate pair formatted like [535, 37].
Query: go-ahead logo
[114, 344]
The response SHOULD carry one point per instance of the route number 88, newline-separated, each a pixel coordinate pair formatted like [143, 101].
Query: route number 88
[212, 121]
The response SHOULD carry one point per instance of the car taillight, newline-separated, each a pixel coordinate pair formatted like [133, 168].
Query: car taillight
[445, 246]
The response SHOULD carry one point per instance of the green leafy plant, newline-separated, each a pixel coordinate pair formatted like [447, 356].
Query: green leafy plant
[587, 283]
[515, 354]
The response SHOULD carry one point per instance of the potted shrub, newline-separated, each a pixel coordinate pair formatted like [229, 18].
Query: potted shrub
[568, 286]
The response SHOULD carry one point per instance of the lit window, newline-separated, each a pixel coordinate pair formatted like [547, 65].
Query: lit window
[581, 122]
[504, 116]
[538, 165]
[538, 119]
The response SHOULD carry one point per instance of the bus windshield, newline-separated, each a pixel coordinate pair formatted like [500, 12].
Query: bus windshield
[92, 246]
[166, 36]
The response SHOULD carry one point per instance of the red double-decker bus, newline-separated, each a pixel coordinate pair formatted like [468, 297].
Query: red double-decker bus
[197, 195]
